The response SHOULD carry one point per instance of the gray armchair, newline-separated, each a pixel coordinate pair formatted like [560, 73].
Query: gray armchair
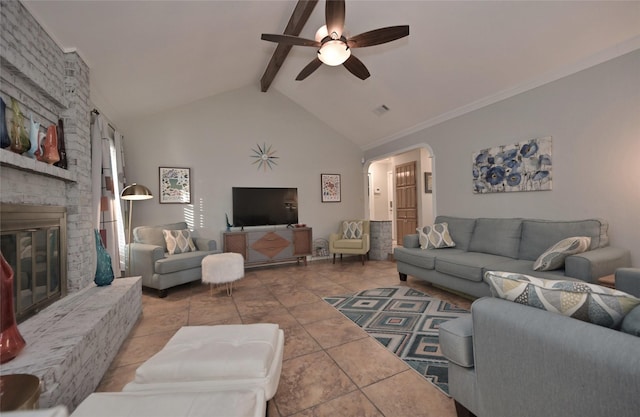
[159, 269]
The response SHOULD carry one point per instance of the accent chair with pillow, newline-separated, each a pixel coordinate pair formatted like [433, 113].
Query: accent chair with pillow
[352, 239]
[168, 255]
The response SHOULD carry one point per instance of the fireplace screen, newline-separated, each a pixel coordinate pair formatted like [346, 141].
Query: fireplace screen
[32, 241]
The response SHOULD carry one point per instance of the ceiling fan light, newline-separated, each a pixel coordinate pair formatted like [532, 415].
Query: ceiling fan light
[321, 33]
[334, 53]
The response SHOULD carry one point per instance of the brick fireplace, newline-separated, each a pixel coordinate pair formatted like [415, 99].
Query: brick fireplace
[70, 343]
[33, 240]
[49, 84]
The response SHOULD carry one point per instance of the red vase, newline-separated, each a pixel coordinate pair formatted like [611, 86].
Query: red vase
[50, 153]
[11, 342]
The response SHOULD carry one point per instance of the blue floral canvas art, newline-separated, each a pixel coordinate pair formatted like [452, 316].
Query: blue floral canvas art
[525, 166]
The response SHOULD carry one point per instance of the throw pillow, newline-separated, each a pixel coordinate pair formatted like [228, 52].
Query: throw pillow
[435, 237]
[178, 241]
[352, 230]
[422, 238]
[631, 322]
[587, 302]
[553, 258]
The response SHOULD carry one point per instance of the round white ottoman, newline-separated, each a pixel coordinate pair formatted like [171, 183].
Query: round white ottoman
[222, 268]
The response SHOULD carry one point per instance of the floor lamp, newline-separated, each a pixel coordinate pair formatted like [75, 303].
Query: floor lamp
[133, 192]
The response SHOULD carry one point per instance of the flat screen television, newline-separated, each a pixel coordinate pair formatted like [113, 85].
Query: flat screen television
[254, 206]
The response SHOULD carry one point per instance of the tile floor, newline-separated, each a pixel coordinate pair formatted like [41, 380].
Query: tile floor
[331, 367]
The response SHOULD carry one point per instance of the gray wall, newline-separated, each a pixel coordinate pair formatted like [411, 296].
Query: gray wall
[215, 137]
[594, 119]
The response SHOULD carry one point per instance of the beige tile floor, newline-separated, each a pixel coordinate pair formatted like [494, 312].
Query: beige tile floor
[331, 367]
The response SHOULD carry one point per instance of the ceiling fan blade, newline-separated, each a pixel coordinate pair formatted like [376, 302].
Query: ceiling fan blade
[378, 36]
[306, 71]
[289, 40]
[356, 67]
[334, 16]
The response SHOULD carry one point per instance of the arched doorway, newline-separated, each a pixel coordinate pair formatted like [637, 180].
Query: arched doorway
[382, 192]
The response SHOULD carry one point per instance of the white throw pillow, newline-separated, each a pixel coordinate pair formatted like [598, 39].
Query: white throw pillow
[553, 258]
[178, 241]
[352, 230]
[435, 237]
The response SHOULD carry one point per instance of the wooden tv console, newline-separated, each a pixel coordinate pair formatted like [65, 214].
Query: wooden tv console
[263, 247]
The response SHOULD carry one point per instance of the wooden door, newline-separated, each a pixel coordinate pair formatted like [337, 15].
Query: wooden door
[406, 200]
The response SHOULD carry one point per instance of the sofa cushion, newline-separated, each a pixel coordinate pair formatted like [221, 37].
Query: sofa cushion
[435, 237]
[178, 241]
[152, 235]
[631, 322]
[466, 265]
[497, 236]
[352, 230]
[586, 302]
[553, 258]
[422, 258]
[539, 235]
[460, 229]
[180, 262]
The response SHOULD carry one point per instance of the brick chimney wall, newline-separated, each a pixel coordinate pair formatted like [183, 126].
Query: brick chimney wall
[50, 84]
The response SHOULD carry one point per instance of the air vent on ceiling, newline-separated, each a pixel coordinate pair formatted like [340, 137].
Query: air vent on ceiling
[380, 110]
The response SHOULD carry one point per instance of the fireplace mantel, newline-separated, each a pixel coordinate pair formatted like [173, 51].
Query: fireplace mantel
[13, 160]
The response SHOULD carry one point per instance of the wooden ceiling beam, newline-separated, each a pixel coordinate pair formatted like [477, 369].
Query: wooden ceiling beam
[297, 21]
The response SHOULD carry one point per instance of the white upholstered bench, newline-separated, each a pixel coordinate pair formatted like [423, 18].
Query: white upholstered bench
[241, 403]
[243, 356]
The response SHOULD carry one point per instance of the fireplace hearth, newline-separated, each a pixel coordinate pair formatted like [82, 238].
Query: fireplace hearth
[33, 240]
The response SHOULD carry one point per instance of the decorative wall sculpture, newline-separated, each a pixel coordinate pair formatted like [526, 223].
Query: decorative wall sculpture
[524, 166]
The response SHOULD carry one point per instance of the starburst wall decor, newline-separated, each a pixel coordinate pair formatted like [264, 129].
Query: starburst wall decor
[264, 156]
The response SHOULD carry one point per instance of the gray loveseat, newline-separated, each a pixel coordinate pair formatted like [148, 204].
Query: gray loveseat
[159, 270]
[510, 245]
[508, 359]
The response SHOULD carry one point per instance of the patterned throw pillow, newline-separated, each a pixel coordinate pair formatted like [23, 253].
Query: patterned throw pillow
[352, 230]
[587, 302]
[435, 237]
[178, 241]
[553, 258]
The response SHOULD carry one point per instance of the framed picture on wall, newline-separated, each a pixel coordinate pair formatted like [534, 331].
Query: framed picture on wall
[175, 185]
[330, 185]
[428, 183]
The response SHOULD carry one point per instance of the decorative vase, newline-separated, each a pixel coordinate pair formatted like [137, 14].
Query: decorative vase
[104, 271]
[34, 129]
[62, 150]
[50, 153]
[5, 140]
[11, 341]
[38, 152]
[19, 139]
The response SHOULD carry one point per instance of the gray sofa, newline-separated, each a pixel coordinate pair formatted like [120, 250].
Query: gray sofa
[510, 245]
[508, 359]
[159, 270]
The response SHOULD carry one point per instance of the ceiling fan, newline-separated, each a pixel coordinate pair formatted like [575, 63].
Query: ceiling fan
[334, 48]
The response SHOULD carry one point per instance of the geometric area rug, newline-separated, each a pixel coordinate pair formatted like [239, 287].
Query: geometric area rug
[406, 322]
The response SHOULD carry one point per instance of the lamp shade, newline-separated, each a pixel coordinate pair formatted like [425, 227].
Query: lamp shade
[136, 192]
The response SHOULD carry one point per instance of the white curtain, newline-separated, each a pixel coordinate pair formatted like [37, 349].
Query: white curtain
[107, 186]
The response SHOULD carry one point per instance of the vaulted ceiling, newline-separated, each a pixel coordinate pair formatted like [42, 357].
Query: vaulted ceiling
[149, 56]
